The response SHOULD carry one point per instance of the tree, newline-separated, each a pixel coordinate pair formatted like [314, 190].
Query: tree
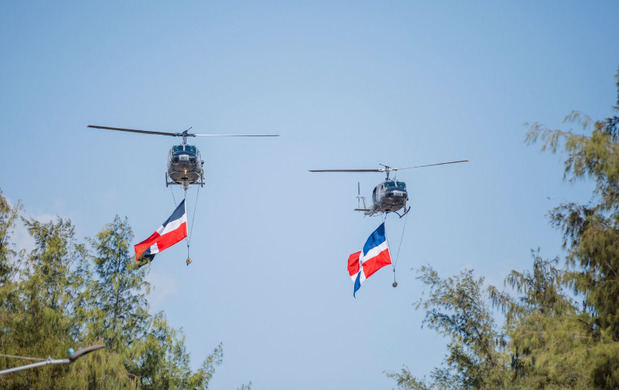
[119, 310]
[545, 341]
[8, 216]
[43, 324]
[457, 307]
[544, 329]
[55, 300]
[155, 355]
[10, 302]
[160, 360]
[550, 338]
[591, 231]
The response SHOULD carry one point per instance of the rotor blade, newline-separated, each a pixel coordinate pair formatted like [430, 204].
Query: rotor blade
[137, 131]
[233, 135]
[346, 170]
[432, 165]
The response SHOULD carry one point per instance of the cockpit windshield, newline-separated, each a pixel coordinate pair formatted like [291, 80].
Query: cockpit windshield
[189, 149]
[390, 185]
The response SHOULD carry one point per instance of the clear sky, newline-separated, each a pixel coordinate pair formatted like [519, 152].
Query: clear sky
[347, 85]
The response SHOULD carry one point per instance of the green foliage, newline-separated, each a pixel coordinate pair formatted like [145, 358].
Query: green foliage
[549, 339]
[9, 300]
[456, 308]
[8, 216]
[42, 323]
[118, 302]
[160, 360]
[561, 324]
[545, 341]
[64, 294]
[406, 380]
[590, 231]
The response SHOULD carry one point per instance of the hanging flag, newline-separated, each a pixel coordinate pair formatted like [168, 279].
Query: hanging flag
[173, 230]
[374, 256]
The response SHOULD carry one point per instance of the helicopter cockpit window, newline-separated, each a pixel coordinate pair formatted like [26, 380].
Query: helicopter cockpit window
[401, 185]
[190, 149]
[389, 184]
[178, 148]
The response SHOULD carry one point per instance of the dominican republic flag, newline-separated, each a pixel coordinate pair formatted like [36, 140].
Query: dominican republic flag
[374, 256]
[173, 230]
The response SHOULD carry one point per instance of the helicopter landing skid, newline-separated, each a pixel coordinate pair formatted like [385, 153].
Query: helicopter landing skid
[406, 212]
[184, 184]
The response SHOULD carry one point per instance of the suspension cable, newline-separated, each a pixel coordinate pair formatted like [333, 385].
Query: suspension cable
[193, 221]
[173, 197]
[397, 254]
[193, 217]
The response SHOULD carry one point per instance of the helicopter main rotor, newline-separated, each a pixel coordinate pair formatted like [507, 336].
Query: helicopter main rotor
[387, 169]
[185, 134]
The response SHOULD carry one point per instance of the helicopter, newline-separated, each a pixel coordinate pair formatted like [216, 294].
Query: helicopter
[185, 165]
[391, 195]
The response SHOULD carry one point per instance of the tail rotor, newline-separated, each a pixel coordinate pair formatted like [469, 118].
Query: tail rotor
[360, 198]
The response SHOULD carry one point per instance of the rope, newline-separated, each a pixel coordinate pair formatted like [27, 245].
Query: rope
[389, 245]
[193, 218]
[193, 221]
[21, 357]
[173, 197]
[188, 236]
[397, 256]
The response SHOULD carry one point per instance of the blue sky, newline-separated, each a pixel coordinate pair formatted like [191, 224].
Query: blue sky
[346, 84]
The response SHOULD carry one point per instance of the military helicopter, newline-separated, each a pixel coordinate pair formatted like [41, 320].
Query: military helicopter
[390, 196]
[185, 165]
